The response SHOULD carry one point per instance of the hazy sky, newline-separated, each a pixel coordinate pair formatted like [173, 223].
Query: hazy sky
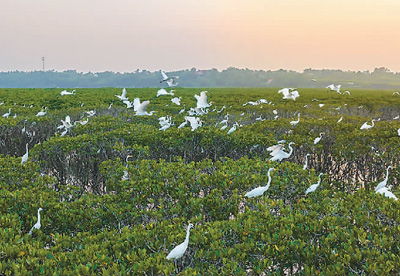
[125, 35]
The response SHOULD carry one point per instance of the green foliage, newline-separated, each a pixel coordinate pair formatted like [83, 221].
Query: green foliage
[105, 214]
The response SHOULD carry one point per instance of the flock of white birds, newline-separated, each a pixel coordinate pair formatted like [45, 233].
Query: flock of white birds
[277, 152]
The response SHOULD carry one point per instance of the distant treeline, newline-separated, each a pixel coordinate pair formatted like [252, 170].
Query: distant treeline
[380, 78]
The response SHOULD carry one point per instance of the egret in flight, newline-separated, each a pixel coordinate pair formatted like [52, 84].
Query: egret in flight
[277, 152]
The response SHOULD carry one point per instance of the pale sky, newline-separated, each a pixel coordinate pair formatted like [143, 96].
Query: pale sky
[125, 35]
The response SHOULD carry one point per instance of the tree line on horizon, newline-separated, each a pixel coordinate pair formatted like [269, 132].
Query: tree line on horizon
[379, 78]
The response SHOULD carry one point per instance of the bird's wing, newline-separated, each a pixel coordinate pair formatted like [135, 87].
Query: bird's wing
[164, 75]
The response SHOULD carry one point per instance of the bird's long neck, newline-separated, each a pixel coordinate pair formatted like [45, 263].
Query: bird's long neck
[38, 216]
[373, 122]
[319, 181]
[269, 179]
[291, 150]
[27, 149]
[387, 174]
[187, 235]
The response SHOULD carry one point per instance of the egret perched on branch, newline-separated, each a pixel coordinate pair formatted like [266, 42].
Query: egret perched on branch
[6, 115]
[260, 190]
[306, 162]
[293, 123]
[313, 187]
[42, 112]
[233, 128]
[25, 156]
[316, 140]
[179, 250]
[277, 152]
[367, 126]
[37, 225]
[386, 192]
[384, 182]
[126, 173]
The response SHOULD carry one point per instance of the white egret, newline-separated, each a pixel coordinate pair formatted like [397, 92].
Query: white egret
[292, 95]
[278, 154]
[202, 100]
[162, 92]
[293, 123]
[122, 97]
[91, 113]
[260, 190]
[233, 128]
[367, 126]
[384, 182]
[141, 109]
[336, 88]
[42, 112]
[25, 156]
[386, 192]
[398, 132]
[183, 124]
[195, 122]
[37, 225]
[82, 122]
[6, 115]
[306, 161]
[176, 100]
[316, 140]
[224, 127]
[169, 80]
[65, 92]
[313, 187]
[341, 118]
[23, 130]
[180, 249]
[347, 92]
[126, 173]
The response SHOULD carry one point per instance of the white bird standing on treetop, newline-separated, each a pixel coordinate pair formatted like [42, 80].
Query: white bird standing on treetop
[260, 190]
[233, 128]
[37, 225]
[306, 162]
[25, 156]
[42, 112]
[180, 249]
[386, 192]
[384, 182]
[6, 115]
[122, 97]
[202, 100]
[293, 123]
[277, 152]
[316, 140]
[367, 126]
[313, 187]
